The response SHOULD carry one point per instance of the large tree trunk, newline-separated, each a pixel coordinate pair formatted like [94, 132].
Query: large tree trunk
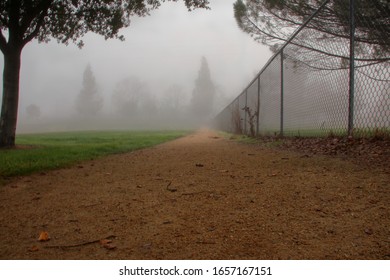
[9, 108]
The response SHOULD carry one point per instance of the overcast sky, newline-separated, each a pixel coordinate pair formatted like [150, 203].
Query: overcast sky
[162, 49]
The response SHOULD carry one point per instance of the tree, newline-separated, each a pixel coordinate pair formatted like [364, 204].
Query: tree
[127, 96]
[33, 111]
[89, 102]
[203, 95]
[66, 21]
[173, 101]
[272, 22]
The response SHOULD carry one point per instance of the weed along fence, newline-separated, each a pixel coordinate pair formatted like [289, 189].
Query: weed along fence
[321, 82]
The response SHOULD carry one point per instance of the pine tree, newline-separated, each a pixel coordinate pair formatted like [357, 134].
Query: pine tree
[89, 102]
[203, 95]
[272, 22]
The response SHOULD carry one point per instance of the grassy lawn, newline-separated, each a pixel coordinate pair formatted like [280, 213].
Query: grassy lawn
[38, 152]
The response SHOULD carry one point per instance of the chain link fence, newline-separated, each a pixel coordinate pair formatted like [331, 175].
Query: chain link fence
[322, 81]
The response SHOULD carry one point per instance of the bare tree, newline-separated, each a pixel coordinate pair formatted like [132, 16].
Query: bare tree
[174, 98]
[127, 95]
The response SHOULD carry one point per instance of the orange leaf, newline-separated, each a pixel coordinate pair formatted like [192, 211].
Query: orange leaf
[33, 249]
[105, 241]
[109, 246]
[44, 236]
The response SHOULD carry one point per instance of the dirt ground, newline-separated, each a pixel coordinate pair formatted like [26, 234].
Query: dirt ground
[200, 197]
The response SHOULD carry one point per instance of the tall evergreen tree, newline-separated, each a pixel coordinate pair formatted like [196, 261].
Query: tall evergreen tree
[203, 95]
[89, 102]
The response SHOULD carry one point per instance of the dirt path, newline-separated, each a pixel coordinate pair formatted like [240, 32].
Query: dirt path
[199, 197]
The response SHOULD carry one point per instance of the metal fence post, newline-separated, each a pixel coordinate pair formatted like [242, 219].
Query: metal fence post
[335, 85]
[258, 106]
[351, 67]
[245, 111]
[281, 93]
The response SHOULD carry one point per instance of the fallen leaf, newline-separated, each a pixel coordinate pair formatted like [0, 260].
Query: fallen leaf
[105, 241]
[44, 236]
[109, 246]
[199, 165]
[33, 249]
[368, 231]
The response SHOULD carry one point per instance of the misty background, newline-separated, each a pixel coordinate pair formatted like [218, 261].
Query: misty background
[155, 68]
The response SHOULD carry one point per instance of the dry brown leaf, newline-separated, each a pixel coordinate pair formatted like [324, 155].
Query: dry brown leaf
[44, 236]
[33, 249]
[109, 246]
[369, 231]
[106, 244]
[105, 241]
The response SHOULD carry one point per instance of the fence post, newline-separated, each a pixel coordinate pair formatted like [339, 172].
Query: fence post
[351, 67]
[258, 106]
[281, 93]
[245, 112]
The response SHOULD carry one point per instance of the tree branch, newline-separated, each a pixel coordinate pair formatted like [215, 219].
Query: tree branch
[35, 32]
[14, 15]
[326, 22]
[3, 42]
[39, 12]
[312, 48]
[34, 12]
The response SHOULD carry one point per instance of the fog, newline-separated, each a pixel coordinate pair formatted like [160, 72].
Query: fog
[162, 52]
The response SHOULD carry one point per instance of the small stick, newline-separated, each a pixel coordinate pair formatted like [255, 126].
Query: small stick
[193, 193]
[80, 244]
[169, 189]
[205, 242]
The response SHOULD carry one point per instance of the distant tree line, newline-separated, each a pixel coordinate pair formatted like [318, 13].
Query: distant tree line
[132, 99]
[65, 21]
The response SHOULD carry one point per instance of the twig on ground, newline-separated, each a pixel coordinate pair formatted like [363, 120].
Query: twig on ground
[80, 244]
[193, 193]
[205, 242]
[171, 189]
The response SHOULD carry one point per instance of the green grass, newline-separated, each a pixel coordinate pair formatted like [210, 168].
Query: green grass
[39, 152]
